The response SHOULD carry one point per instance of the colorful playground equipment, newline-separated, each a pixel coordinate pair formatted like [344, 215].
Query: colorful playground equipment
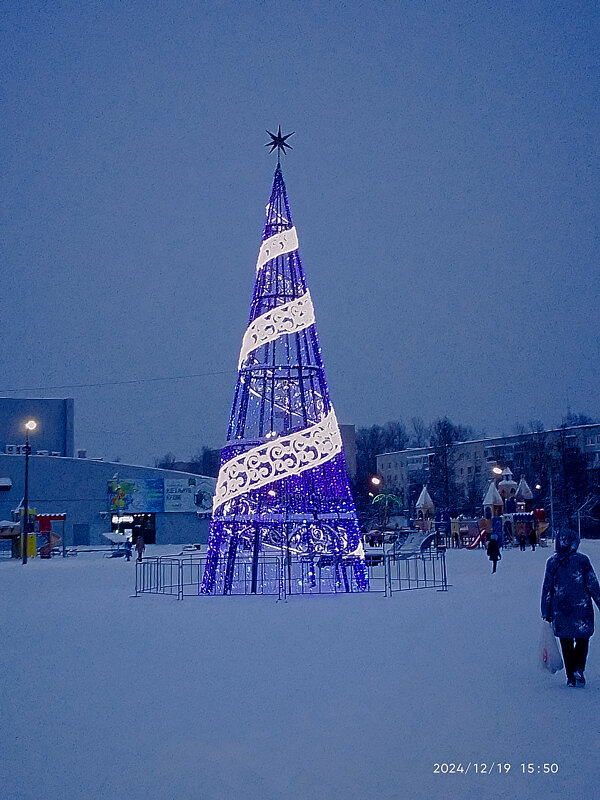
[42, 540]
[9, 533]
[424, 511]
[508, 511]
[49, 538]
[478, 540]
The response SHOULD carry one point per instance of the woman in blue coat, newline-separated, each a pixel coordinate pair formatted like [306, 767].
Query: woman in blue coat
[570, 584]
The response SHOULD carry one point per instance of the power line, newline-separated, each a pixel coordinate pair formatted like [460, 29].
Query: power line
[117, 383]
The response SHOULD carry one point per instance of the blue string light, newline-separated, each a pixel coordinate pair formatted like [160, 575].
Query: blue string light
[280, 410]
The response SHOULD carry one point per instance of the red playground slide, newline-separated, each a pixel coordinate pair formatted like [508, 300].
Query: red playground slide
[476, 542]
[45, 550]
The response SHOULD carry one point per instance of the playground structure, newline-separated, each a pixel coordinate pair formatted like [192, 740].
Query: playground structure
[52, 539]
[9, 532]
[121, 545]
[42, 540]
[508, 511]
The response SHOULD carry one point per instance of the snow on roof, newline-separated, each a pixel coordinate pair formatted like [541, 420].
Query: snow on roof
[507, 479]
[424, 500]
[492, 497]
[487, 440]
[523, 490]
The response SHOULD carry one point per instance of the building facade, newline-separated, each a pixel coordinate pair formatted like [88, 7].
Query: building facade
[165, 506]
[55, 432]
[471, 463]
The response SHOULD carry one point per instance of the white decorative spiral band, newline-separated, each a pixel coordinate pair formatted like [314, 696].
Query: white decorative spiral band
[278, 245]
[289, 318]
[278, 459]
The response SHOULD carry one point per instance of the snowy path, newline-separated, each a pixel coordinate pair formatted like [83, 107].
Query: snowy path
[357, 697]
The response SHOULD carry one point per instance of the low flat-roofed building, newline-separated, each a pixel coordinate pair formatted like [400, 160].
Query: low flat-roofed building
[165, 506]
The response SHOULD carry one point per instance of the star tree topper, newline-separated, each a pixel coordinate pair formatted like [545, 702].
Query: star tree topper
[279, 142]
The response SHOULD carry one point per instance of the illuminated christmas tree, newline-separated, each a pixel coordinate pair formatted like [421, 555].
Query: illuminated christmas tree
[282, 487]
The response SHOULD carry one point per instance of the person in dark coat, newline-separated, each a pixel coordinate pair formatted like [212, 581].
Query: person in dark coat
[140, 546]
[570, 584]
[493, 551]
[522, 542]
[532, 539]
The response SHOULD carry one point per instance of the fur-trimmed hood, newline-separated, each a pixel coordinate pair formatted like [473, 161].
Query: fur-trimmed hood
[567, 540]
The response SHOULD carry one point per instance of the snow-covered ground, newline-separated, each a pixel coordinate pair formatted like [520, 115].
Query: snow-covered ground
[108, 696]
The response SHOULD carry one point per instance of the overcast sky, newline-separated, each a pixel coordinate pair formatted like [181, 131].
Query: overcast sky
[444, 184]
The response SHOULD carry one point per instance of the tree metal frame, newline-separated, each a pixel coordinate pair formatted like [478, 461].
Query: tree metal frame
[282, 485]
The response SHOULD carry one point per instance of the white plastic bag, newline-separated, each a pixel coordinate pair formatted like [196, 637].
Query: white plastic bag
[550, 657]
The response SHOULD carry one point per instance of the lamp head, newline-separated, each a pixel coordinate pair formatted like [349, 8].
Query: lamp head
[30, 425]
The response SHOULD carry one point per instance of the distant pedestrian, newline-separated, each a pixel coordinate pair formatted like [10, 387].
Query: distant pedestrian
[493, 551]
[128, 547]
[532, 539]
[570, 584]
[140, 546]
[522, 542]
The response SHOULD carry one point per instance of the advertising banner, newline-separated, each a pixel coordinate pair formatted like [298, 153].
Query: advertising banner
[188, 494]
[142, 496]
[179, 494]
[155, 495]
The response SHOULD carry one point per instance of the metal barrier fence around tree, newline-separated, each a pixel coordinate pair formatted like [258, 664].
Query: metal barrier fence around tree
[182, 576]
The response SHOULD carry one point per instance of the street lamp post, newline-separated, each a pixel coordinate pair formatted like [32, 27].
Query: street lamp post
[30, 426]
[538, 487]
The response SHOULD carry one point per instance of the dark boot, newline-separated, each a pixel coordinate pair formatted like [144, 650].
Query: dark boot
[579, 658]
[579, 678]
[568, 651]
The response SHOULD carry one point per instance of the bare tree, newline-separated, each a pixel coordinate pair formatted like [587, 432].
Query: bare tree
[572, 419]
[395, 436]
[203, 461]
[442, 469]
[165, 462]
[536, 426]
[420, 433]
[569, 474]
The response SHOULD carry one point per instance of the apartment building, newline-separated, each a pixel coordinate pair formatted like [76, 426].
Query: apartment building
[405, 471]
